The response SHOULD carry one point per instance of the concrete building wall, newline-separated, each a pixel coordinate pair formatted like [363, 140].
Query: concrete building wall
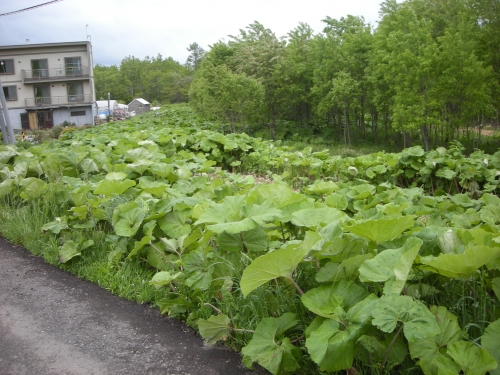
[56, 75]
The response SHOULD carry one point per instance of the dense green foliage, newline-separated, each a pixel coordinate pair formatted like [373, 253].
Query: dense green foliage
[155, 79]
[385, 263]
[427, 74]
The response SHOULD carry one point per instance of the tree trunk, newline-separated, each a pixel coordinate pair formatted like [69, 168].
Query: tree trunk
[374, 126]
[425, 137]
[347, 126]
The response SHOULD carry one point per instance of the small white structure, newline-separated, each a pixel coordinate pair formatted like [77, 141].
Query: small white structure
[139, 106]
[117, 110]
[103, 108]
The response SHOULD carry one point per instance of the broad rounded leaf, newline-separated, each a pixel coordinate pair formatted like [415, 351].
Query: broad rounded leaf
[382, 230]
[311, 217]
[461, 266]
[163, 278]
[490, 342]
[128, 217]
[330, 300]
[279, 263]
[254, 240]
[473, 359]
[331, 347]
[391, 263]
[110, 187]
[68, 251]
[418, 321]
[270, 349]
[214, 329]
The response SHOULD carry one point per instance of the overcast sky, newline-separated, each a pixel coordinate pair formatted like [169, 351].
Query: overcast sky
[140, 28]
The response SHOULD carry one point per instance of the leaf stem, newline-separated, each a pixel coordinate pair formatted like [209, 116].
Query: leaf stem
[296, 285]
[297, 339]
[282, 232]
[242, 330]
[163, 255]
[391, 345]
[213, 307]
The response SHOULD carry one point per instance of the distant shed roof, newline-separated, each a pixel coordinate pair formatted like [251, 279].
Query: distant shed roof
[142, 100]
[104, 103]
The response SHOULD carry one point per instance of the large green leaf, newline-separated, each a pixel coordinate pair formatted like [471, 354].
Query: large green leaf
[174, 224]
[321, 187]
[311, 217]
[68, 250]
[214, 329]
[128, 217]
[7, 187]
[270, 349]
[32, 188]
[391, 264]
[331, 345]
[56, 226]
[495, 284]
[229, 216]
[109, 187]
[382, 230]
[472, 359]
[199, 269]
[432, 359]
[71, 249]
[418, 321]
[262, 213]
[331, 300]
[163, 278]
[490, 342]
[254, 240]
[279, 263]
[461, 266]
[177, 306]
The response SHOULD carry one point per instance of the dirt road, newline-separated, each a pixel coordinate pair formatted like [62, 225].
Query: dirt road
[52, 322]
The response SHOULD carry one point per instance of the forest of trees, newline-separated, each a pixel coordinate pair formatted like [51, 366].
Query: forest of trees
[428, 73]
[154, 79]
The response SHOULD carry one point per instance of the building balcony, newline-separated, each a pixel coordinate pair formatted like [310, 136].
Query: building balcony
[56, 74]
[58, 101]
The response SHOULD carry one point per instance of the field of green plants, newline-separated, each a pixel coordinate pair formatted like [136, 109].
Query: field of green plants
[306, 262]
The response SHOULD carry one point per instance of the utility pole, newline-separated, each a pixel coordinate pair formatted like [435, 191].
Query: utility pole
[5, 120]
[109, 106]
[4, 129]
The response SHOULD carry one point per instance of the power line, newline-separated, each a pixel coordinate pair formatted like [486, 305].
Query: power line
[30, 8]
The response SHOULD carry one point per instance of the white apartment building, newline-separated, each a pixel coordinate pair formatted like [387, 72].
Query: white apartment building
[48, 84]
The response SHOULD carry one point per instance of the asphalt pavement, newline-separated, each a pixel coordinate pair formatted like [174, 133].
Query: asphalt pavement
[53, 323]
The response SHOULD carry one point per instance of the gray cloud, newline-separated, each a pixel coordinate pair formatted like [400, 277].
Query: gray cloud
[120, 28]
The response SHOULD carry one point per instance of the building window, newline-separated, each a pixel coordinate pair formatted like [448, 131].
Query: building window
[73, 66]
[7, 66]
[75, 92]
[77, 113]
[10, 92]
[40, 68]
[42, 94]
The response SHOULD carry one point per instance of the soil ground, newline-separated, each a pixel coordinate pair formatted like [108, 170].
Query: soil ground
[54, 323]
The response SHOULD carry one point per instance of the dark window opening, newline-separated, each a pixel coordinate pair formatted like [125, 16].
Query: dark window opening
[73, 66]
[75, 92]
[10, 92]
[7, 66]
[77, 113]
[40, 68]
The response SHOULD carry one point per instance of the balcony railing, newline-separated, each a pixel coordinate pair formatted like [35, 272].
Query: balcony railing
[54, 101]
[63, 73]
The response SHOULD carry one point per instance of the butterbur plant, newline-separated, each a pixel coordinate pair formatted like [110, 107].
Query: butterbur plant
[315, 269]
